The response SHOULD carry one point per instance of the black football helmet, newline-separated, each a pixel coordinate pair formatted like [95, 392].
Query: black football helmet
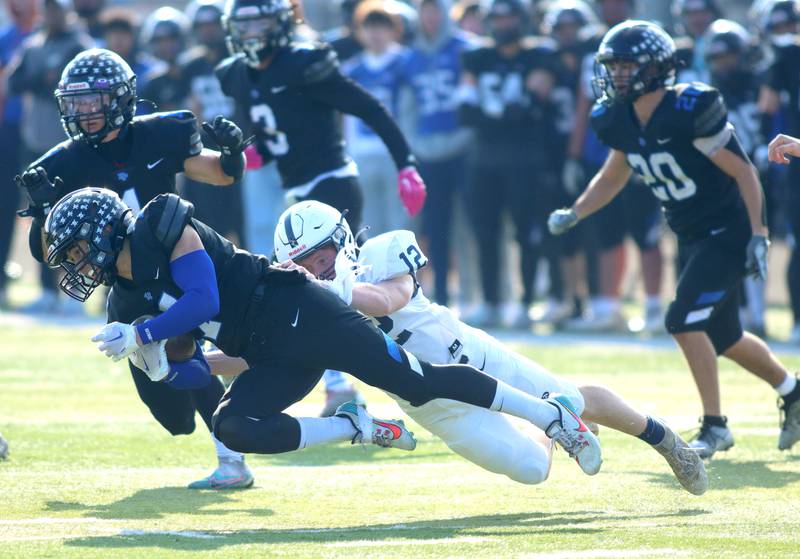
[206, 18]
[730, 54]
[510, 31]
[256, 28]
[84, 234]
[575, 14]
[648, 47]
[781, 17]
[96, 85]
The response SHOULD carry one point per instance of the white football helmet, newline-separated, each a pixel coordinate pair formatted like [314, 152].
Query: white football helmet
[307, 226]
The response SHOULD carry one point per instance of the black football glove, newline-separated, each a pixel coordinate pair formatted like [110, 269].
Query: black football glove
[226, 135]
[42, 193]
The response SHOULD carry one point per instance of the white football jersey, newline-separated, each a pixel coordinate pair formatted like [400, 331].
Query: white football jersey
[429, 331]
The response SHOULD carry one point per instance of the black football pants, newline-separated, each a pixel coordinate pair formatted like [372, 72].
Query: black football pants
[304, 329]
[175, 409]
[343, 194]
[526, 191]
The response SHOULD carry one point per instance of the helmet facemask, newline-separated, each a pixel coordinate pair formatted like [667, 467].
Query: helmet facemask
[84, 107]
[84, 237]
[624, 79]
[257, 31]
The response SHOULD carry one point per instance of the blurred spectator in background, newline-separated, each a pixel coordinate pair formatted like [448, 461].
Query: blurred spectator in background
[34, 75]
[783, 78]
[379, 70]
[164, 35]
[89, 12]
[439, 141]
[469, 16]
[568, 23]
[694, 17]
[120, 35]
[23, 15]
[731, 56]
[505, 97]
[207, 101]
[343, 38]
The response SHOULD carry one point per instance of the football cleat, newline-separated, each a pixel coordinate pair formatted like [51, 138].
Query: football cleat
[3, 448]
[790, 424]
[335, 398]
[594, 323]
[231, 474]
[574, 436]
[685, 462]
[711, 439]
[385, 433]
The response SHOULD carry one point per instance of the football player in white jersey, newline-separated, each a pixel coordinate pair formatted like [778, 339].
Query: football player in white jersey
[379, 279]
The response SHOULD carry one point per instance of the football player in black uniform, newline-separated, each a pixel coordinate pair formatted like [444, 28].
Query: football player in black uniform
[678, 138]
[164, 35]
[731, 56]
[292, 94]
[506, 97]
[287, 328]
[783, 78]
[138, 158]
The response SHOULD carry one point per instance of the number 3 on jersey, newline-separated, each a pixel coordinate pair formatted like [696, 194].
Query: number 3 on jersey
[677, 187]
[275, 140]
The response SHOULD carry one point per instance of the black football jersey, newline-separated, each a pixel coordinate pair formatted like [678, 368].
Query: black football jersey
[293, 109]
[741, 99]
[696, 195]
[152, 290]
[784, 76]
[302, 134]
[167, 90]
[204, 87]
[148, 154]
[506, 116]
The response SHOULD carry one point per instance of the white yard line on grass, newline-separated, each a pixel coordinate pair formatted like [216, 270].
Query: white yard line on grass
[433, 541]
[180, 533]
[605, 553]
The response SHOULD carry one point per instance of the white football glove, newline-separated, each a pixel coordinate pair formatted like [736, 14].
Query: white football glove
[561, 221]
[347, 271]
[117, 340]
[152, 360]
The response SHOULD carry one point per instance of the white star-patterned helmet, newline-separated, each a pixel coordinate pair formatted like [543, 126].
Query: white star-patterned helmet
[95, 221]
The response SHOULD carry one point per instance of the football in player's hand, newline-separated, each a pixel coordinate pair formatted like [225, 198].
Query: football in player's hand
[180, 348]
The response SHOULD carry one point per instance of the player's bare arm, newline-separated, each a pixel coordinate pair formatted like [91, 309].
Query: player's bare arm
[384, 298]
[604, 187]
[746, 178]
[205, 167]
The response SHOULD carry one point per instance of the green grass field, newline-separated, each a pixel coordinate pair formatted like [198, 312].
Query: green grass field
[91, 474]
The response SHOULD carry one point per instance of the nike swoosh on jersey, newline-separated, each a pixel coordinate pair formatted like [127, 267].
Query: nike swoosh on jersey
[296, 318]
[277, 89]
[664, 141]
[150, 166]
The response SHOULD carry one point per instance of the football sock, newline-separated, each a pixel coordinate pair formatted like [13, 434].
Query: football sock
[335, 381]
[510, 400]
[786, 387]
[715, 420]
[223, 452]
[653, 304]
[653, 433]
[320, 430]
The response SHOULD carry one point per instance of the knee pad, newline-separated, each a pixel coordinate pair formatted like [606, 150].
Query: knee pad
[675, 319]
[227, 430]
